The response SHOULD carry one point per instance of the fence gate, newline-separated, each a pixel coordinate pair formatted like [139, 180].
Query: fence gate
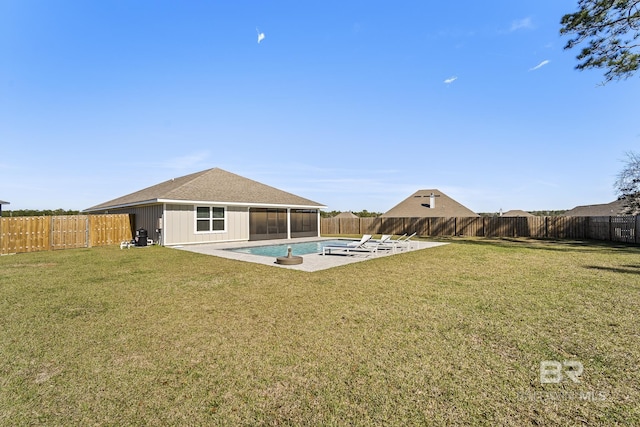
[623, 229]
[69, 232]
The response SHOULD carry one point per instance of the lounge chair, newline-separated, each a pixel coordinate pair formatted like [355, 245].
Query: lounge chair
[365, 239]
[352, 248]
[384, 243]
[385, 238]
[403, 241]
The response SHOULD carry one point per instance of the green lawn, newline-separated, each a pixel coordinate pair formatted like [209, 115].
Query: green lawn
[452, 335]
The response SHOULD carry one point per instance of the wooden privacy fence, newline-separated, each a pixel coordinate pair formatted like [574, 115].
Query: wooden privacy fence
[612, 228]
[44, 233]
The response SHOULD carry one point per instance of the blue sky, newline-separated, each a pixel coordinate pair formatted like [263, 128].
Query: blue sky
[353, 104]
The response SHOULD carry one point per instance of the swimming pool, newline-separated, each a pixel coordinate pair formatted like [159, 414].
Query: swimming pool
[301, 248]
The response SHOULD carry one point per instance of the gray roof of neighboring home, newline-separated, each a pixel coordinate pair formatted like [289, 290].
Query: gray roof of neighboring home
[346, 215]
[2, 202]
[210, 186]
[418, 205]
[516, 212]
[605, 209]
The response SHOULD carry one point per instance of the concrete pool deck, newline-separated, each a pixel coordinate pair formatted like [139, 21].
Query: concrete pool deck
[311, 262]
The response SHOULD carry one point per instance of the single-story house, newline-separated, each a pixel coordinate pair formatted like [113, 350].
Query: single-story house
[429, 203]
[216, 206]
[606, 209]
[346, 215]
[517, 213]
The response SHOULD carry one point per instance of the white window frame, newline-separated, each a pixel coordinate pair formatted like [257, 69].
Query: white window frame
[211, 219]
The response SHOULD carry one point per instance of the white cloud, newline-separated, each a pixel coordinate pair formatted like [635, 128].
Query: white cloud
[260, 35]
[521, 24]
[450, 80]
[540, 65]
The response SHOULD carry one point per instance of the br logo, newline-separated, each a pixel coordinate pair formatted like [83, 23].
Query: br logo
[553, 372]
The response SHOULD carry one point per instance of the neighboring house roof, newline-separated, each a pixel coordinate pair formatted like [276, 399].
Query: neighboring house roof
[421, 204]
[605, 209]
[346, 215]
[516, 212]
[211, 186]
[2, 202]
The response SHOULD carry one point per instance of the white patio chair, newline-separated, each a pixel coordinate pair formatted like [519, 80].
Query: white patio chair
[352, 248]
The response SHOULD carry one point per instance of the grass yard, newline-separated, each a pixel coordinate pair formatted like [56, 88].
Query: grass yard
[452, 335]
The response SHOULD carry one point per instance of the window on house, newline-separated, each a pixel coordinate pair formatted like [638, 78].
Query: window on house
[210, 218]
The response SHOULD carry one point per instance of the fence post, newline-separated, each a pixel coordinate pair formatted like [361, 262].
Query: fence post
[610, 229]
[546, 227]
[587, 227]
[87, 244]
[51, 235]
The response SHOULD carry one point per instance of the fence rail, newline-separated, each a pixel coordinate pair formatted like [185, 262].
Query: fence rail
[44, 233]
[612, 228]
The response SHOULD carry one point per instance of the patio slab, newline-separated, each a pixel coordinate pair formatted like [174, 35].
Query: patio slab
[311, 262]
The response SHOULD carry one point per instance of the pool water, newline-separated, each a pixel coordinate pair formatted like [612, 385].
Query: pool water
[302, 248]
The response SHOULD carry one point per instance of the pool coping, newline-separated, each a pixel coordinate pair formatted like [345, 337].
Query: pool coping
[311, 262]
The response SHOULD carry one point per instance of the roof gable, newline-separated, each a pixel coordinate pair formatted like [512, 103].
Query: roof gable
[517, 213]
[211, 185]
[421, 204]
[346, 215]
[606, 209]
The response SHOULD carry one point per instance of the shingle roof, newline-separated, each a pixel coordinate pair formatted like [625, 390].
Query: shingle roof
[605, 209]
[211, 185]
[346, 215]
[418, 205]
[517, 212]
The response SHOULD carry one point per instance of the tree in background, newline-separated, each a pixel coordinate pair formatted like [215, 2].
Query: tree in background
[330, 214]
[33, 212]
[612, 30]
[362, 214]
[628, 184]
[366, 214]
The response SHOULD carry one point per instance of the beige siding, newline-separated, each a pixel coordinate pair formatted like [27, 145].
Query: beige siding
[180, 226]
